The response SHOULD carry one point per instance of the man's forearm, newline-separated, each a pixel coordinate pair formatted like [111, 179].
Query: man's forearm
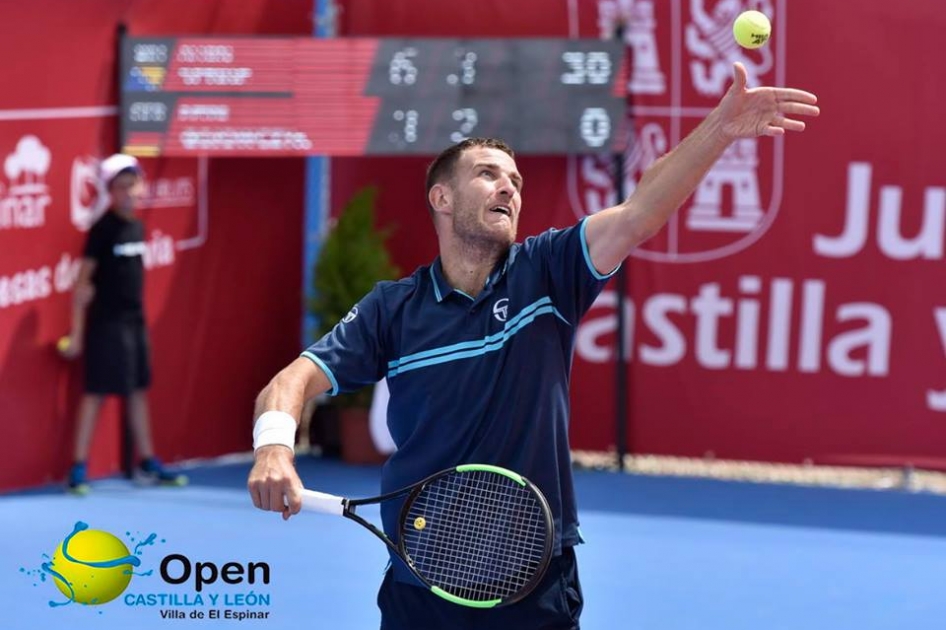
[614, 232]
[674, 177]
[281, 395]
[78, 318]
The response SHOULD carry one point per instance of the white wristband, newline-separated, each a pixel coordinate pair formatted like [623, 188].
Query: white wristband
[274, 427]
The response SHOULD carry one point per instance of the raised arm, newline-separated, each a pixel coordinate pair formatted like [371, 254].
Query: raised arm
[278, 409]
[742, 113]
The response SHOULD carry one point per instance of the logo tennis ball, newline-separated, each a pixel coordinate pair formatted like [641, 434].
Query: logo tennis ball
[91, 566]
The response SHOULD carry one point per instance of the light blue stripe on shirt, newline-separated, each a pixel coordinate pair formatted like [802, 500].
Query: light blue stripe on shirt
[478, 343]
[492, 346]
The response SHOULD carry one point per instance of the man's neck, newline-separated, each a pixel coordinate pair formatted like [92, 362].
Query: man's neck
[467, 267]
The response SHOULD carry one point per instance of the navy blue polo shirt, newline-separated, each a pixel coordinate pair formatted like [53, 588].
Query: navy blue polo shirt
[474, 380]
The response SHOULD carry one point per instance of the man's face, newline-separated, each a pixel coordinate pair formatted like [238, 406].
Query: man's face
[486, 197]
[127, 191]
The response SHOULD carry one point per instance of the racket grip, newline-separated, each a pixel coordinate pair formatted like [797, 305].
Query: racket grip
[313, 501]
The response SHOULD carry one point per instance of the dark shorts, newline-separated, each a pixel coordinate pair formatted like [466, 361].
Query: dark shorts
[117, 359]
[555, 604]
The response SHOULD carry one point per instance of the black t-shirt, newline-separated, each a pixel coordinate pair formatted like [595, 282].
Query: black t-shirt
[117, 245]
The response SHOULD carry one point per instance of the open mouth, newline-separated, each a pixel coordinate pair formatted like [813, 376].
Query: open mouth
[502, 210]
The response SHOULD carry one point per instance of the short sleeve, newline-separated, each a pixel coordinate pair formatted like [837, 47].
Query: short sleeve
[572, 277]
[351, 354]
[96, 244]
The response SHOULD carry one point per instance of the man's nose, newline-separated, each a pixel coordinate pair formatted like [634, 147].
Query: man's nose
[506, 187]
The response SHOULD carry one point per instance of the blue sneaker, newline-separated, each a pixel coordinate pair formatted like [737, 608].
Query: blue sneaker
[78, 480]
[152, 472]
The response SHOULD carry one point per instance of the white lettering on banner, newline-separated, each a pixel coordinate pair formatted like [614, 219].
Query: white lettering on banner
[859, 351]
[709, 307]
[67, 270]
[25, 286]
[780, 318]
[165, 192]
[875, 337]
[593, 328]
[23, 205]
[928, 243]
[673, 345]
[19, 210]
[936, 400]
[747, 342]
[158, 251]
[31, 285]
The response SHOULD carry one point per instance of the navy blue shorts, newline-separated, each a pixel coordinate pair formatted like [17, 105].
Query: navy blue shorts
[555, 604]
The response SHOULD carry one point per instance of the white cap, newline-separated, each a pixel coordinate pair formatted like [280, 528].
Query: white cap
[115, 164]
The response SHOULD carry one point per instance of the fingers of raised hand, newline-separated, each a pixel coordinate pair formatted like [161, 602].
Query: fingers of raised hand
[787, 124]
[794, 95]
[781, 123]
[798, 109]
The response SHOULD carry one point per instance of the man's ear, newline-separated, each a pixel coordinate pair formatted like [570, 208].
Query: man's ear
[440, 197]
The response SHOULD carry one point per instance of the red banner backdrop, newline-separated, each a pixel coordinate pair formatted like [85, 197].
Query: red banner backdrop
[790, 310]
[222, 288]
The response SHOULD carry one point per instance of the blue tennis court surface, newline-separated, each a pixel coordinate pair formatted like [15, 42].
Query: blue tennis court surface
[662, 553]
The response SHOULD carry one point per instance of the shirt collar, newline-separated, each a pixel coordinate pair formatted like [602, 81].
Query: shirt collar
[442, 288]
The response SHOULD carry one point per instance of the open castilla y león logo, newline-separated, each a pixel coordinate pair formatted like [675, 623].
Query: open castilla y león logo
[92, 567]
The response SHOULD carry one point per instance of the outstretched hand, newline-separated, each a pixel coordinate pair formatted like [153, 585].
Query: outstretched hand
[763, 111]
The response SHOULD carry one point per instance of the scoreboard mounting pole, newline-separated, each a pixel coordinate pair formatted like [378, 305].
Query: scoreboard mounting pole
[622, 384]
[127, 441]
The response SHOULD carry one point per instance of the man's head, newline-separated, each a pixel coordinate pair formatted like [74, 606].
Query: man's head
[123, 178]
[474, 189]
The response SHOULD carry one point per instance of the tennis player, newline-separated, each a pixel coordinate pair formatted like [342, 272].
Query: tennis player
[477, 346]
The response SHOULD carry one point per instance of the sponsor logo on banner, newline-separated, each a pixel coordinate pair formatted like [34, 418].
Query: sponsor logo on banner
[87, 197]
[682, 54]
[24, 197]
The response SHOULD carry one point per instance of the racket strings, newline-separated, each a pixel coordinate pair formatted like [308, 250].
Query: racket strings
[483, 535]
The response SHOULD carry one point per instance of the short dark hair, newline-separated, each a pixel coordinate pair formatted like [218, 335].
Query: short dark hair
[443, 166]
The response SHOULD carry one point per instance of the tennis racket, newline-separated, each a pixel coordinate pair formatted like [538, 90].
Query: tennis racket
[475, 535]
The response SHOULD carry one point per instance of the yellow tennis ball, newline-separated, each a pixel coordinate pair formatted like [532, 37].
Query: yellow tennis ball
[420, 522]
[63, 344]
[89, 582]
[751, 29]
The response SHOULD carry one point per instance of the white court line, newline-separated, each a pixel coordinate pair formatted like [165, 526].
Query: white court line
[53, 113]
